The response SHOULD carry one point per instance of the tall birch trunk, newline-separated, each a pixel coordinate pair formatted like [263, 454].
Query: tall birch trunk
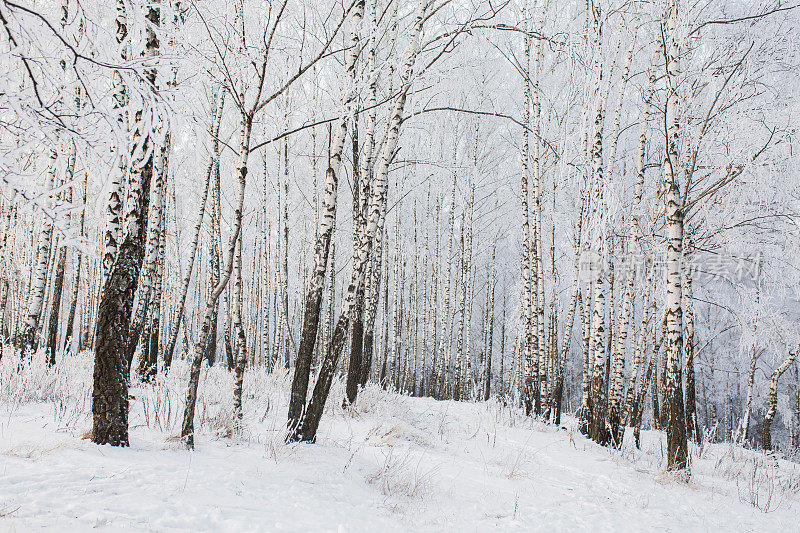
[319, 396]
[443, 355]
[488, 344]
[598, 429]
[537, 263]
[677, 451]
[114, 205]
[529, 335]
[111, 366]
[308, 336]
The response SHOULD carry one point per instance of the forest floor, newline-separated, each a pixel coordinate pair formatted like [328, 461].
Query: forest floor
[392, 463]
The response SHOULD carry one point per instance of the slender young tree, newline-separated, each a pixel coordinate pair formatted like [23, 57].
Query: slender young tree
[217, 106]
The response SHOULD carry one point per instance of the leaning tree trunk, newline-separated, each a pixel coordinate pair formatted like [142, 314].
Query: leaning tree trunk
[110, 393]
[308, 335]
[187, 428]
[319, 396]
[216, 118]
[766, 437]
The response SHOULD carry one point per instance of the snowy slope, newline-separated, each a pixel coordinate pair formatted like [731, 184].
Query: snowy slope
[393, 463]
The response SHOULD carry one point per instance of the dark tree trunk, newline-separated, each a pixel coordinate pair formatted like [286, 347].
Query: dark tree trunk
[366, 356]
[110, 393]
[313, 414]
[558, 392]
[356, 369]
[211, 351]
[302, 368]
[58, 287]
[229, 352]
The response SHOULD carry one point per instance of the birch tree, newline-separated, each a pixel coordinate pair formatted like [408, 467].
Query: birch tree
[677, 454]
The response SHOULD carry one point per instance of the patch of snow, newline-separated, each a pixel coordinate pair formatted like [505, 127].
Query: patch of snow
[390, 463]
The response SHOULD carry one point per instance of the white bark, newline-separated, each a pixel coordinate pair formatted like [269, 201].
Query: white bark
[676, 423]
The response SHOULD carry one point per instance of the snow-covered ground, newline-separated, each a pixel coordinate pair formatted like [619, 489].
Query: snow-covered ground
[392, 463]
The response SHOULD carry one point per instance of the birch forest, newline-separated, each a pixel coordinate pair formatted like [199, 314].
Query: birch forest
[306, 229]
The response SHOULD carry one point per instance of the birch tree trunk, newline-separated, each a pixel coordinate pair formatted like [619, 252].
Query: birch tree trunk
[38, 286]
[187, 428]
[308, 336]
[444, 342]
[626, 305]
[319, 396]
[70, 328]
[218, 104]
[539, 343]
[598, 429]
[639, 346]
[488, 344]
[60, 265]
[573, 303]
[111, 366]
[638, 408]
[529, 335]
[585, 411]
[462, 299]
[241, 340]
[372, 283]
[677, 454]
[766, 437]
[114, 205]
[692, 424]
[145, 317]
